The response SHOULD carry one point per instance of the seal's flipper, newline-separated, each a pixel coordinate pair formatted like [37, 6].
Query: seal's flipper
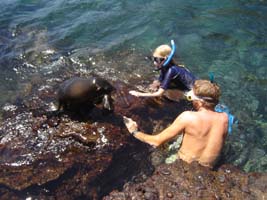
[60, 104]
[107, 102]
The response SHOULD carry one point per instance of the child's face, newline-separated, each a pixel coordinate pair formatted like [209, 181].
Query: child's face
[158, 61]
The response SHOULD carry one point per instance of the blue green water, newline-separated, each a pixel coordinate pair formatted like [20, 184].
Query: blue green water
[227, 37]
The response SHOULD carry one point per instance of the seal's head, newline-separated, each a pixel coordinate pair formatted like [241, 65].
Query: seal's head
[103, 86]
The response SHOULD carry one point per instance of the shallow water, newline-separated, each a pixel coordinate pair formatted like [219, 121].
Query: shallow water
[114, 39]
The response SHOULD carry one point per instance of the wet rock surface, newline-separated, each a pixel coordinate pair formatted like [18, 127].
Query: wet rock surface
[69, 155]
[180, 180]
[89, 154]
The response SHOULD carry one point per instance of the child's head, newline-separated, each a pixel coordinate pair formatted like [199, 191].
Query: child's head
[162, 51]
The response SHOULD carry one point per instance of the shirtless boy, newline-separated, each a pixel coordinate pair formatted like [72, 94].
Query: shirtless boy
[204, 130]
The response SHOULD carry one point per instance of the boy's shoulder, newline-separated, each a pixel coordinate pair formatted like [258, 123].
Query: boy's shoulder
[187, 115]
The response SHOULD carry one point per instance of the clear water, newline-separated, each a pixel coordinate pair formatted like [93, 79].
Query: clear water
[226, 37]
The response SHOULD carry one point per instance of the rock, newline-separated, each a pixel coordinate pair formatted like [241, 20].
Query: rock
[227, 182]
[46, 155]
[49, 156]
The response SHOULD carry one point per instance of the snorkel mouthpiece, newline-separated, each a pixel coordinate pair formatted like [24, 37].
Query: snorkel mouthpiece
[170, 56]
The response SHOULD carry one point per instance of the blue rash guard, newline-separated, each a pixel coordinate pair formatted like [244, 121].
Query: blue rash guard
[176, 77]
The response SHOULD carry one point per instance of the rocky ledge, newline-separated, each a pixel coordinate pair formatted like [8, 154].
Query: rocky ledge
[74, 155]
[180, 180]
[90, 155]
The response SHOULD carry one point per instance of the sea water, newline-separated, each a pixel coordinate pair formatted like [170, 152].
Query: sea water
[225, 37]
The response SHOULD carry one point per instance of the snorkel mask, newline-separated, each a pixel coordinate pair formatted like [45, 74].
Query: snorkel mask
[190, 96]
[169, 58]
[218, 108]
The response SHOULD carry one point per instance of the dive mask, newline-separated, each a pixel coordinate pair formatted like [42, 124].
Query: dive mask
[168, 59]
[190, 96]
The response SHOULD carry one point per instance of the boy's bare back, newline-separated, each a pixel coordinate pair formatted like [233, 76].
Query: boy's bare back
[204, 135]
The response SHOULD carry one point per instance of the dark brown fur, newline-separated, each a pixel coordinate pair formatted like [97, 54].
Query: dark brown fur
[76, 92]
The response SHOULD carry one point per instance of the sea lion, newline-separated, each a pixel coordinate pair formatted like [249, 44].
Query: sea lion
[77, 92]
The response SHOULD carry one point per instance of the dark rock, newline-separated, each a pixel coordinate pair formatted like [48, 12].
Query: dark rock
[214, 185]
[165, 172]
[50, 155]
[46, 155]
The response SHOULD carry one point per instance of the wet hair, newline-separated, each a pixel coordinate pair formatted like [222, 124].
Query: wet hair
[164, 51]
[209, 92]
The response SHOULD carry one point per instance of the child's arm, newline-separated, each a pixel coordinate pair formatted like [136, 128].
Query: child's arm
[158, 93]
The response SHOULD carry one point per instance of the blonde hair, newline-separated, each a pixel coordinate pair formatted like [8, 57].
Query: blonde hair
[204, 88]
[162, 51]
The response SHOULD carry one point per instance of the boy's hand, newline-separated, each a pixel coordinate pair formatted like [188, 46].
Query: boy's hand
[130, 124]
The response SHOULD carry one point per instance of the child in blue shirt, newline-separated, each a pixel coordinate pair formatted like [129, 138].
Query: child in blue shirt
[172, 76]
